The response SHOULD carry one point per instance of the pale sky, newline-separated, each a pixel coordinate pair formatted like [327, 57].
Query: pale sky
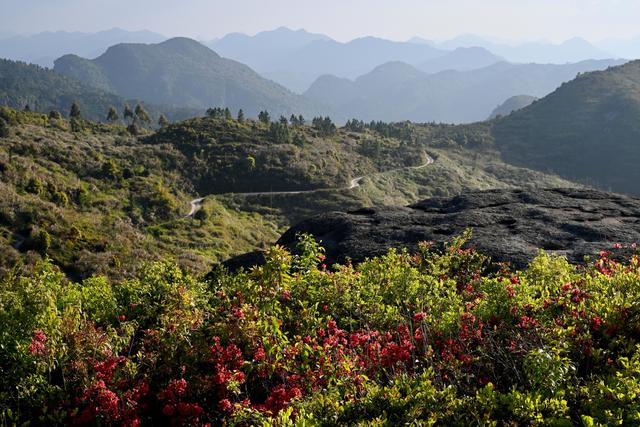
[555, 20]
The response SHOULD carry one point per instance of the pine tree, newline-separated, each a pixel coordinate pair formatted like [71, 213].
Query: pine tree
[128, 113]
[227, 114]
[4, 128]
[112, 115]
[264, 117]
[241, 116]
[141, 115]
[75, 112]
[163, 122]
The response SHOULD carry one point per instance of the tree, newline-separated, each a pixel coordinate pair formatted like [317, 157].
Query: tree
[4, 128]
[141, 115]
[112, 115]
[241, 116]
[294, 120]
[128, 113]
[163, 122]
[301, 120]
[27, 108]
[76, 125]
[324, 126]
[250, 163]
[75, 112]
[55, 115]
[264, 117]
[283, 120]
[279, 133]
[227, 114]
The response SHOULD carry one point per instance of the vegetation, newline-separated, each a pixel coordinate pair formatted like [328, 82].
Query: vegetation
[286, 157]
[596, 115]
[438, 338]
[44, 90]
[102, 200]
[101, 195]
[182, 73]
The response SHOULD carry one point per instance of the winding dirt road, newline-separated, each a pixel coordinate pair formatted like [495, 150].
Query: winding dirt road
[196, 204]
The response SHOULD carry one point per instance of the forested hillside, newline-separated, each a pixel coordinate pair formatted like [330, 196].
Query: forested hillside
[181, 72]
[25, 85]
[588, 130]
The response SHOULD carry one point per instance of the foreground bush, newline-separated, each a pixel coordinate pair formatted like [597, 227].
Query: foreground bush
[438, 337]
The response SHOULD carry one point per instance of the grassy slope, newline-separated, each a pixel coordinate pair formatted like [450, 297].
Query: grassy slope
[111, 218]
[587, 130]
[100, 201]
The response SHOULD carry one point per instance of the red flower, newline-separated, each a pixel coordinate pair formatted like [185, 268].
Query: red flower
[225, 405]
[419, 317]
[37, 346]
[259, 354]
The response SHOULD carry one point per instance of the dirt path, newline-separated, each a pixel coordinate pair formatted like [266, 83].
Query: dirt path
[196, 204]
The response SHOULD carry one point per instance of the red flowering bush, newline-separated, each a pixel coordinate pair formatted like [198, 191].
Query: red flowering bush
[444, 338]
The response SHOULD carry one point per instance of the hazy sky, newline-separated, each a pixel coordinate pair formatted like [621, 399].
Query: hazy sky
[554, 20]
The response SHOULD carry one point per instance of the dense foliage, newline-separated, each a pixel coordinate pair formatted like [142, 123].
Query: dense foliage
[436, 337]
[95, 198]
[43, 90]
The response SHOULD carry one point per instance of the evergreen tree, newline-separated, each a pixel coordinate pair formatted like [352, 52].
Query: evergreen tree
[75, 112]
[4, 128]
[241, 116]
[283, 120]
[301, 120]
[294, 120]
[264, 117]
[112, 115]
[279, 133]
[141, 115]
[163, 122]
[227, 114]
[128, 113]
[76, 125]
[55, 115]
[324, 126]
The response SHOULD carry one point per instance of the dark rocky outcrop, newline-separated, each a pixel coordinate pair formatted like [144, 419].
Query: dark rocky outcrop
[508, 225]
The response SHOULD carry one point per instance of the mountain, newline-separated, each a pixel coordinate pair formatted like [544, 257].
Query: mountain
[44, 48]
[405, 93]
[265, 50]
[512, 104]
[299, 69]
[572, 50]
[181, 72]
[588, 130]
[44, 90]
[461, 59]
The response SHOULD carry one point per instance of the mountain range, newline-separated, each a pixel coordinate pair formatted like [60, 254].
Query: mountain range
[44, 90]
[181, 72]
[397, 91]
[44, 48]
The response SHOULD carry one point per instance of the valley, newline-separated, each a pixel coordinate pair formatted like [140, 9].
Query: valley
[385, 220]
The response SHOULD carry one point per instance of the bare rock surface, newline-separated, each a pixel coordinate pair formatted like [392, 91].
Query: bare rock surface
[508, 225]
